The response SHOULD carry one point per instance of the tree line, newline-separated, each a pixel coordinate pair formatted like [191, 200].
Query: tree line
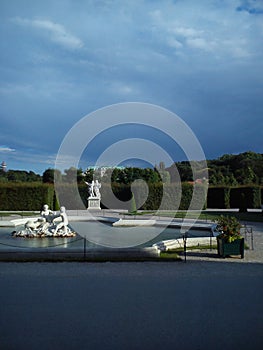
[228, 170]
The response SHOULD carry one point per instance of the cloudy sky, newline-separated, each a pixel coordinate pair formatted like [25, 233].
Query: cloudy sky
[61, 60]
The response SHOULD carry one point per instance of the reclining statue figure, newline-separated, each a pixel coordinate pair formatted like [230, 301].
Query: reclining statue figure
[50, 224]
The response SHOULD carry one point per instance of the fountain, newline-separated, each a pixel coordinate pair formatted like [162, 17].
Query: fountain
[50, 224]
[97, 237]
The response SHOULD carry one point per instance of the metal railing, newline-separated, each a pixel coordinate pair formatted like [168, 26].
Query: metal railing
[247, 232]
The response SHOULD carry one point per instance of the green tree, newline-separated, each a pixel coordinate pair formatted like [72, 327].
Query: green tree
[22, 176]
[183, 168]
[246, 176]
[133, 208]
[3, 176]
[49, 175]
[72, 174]
[88, 175]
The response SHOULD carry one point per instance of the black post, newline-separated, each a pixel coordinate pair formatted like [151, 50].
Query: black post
[85, 241]
[184, 239]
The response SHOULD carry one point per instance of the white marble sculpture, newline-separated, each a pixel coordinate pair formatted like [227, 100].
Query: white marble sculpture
[91, 188]
[47, 214]
[97, 187]
[94, 188]
[63, 225]
[50, 224]
[94, 195]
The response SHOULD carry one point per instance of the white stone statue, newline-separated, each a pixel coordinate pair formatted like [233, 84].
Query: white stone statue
[63, 225]
[97, 187]
[47, 214]
[33, 228]
[49, 224]
[94, 195]
[91, 188]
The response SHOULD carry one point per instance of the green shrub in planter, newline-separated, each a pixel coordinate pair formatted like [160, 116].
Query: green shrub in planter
[229, 241]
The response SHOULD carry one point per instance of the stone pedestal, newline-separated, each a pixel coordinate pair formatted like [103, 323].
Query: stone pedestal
[94, 203]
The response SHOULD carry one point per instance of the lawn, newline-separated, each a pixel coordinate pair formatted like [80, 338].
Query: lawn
[208, 215]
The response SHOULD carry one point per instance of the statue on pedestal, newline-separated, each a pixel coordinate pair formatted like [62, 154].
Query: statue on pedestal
[94, 194]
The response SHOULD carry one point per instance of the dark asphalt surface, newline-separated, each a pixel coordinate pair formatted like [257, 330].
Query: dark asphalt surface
[193, 305]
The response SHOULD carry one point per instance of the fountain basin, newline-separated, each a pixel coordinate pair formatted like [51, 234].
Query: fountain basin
[92, 231]
[79, 254]
[131, 223]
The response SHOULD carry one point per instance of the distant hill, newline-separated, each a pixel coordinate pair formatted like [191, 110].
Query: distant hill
[241, 169]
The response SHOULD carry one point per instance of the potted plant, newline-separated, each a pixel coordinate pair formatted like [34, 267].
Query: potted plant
[229, 240]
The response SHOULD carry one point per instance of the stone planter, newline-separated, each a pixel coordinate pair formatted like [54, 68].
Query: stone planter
[234, 248]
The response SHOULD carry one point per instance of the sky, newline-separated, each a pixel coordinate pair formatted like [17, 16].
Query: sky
[62, 60]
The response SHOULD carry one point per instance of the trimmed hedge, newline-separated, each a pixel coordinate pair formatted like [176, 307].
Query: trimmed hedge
[122, 194]
[245, 197]
[218, 197]
[72, 197]
[25, 196]
[32, 196]
[164, 197]
[242, 197]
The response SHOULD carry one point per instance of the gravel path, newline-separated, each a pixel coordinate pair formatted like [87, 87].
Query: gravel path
[254, 255]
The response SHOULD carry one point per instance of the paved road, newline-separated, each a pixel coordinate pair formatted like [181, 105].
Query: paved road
[197, 305]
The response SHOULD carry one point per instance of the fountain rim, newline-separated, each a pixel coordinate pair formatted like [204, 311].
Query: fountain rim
[117, 222]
